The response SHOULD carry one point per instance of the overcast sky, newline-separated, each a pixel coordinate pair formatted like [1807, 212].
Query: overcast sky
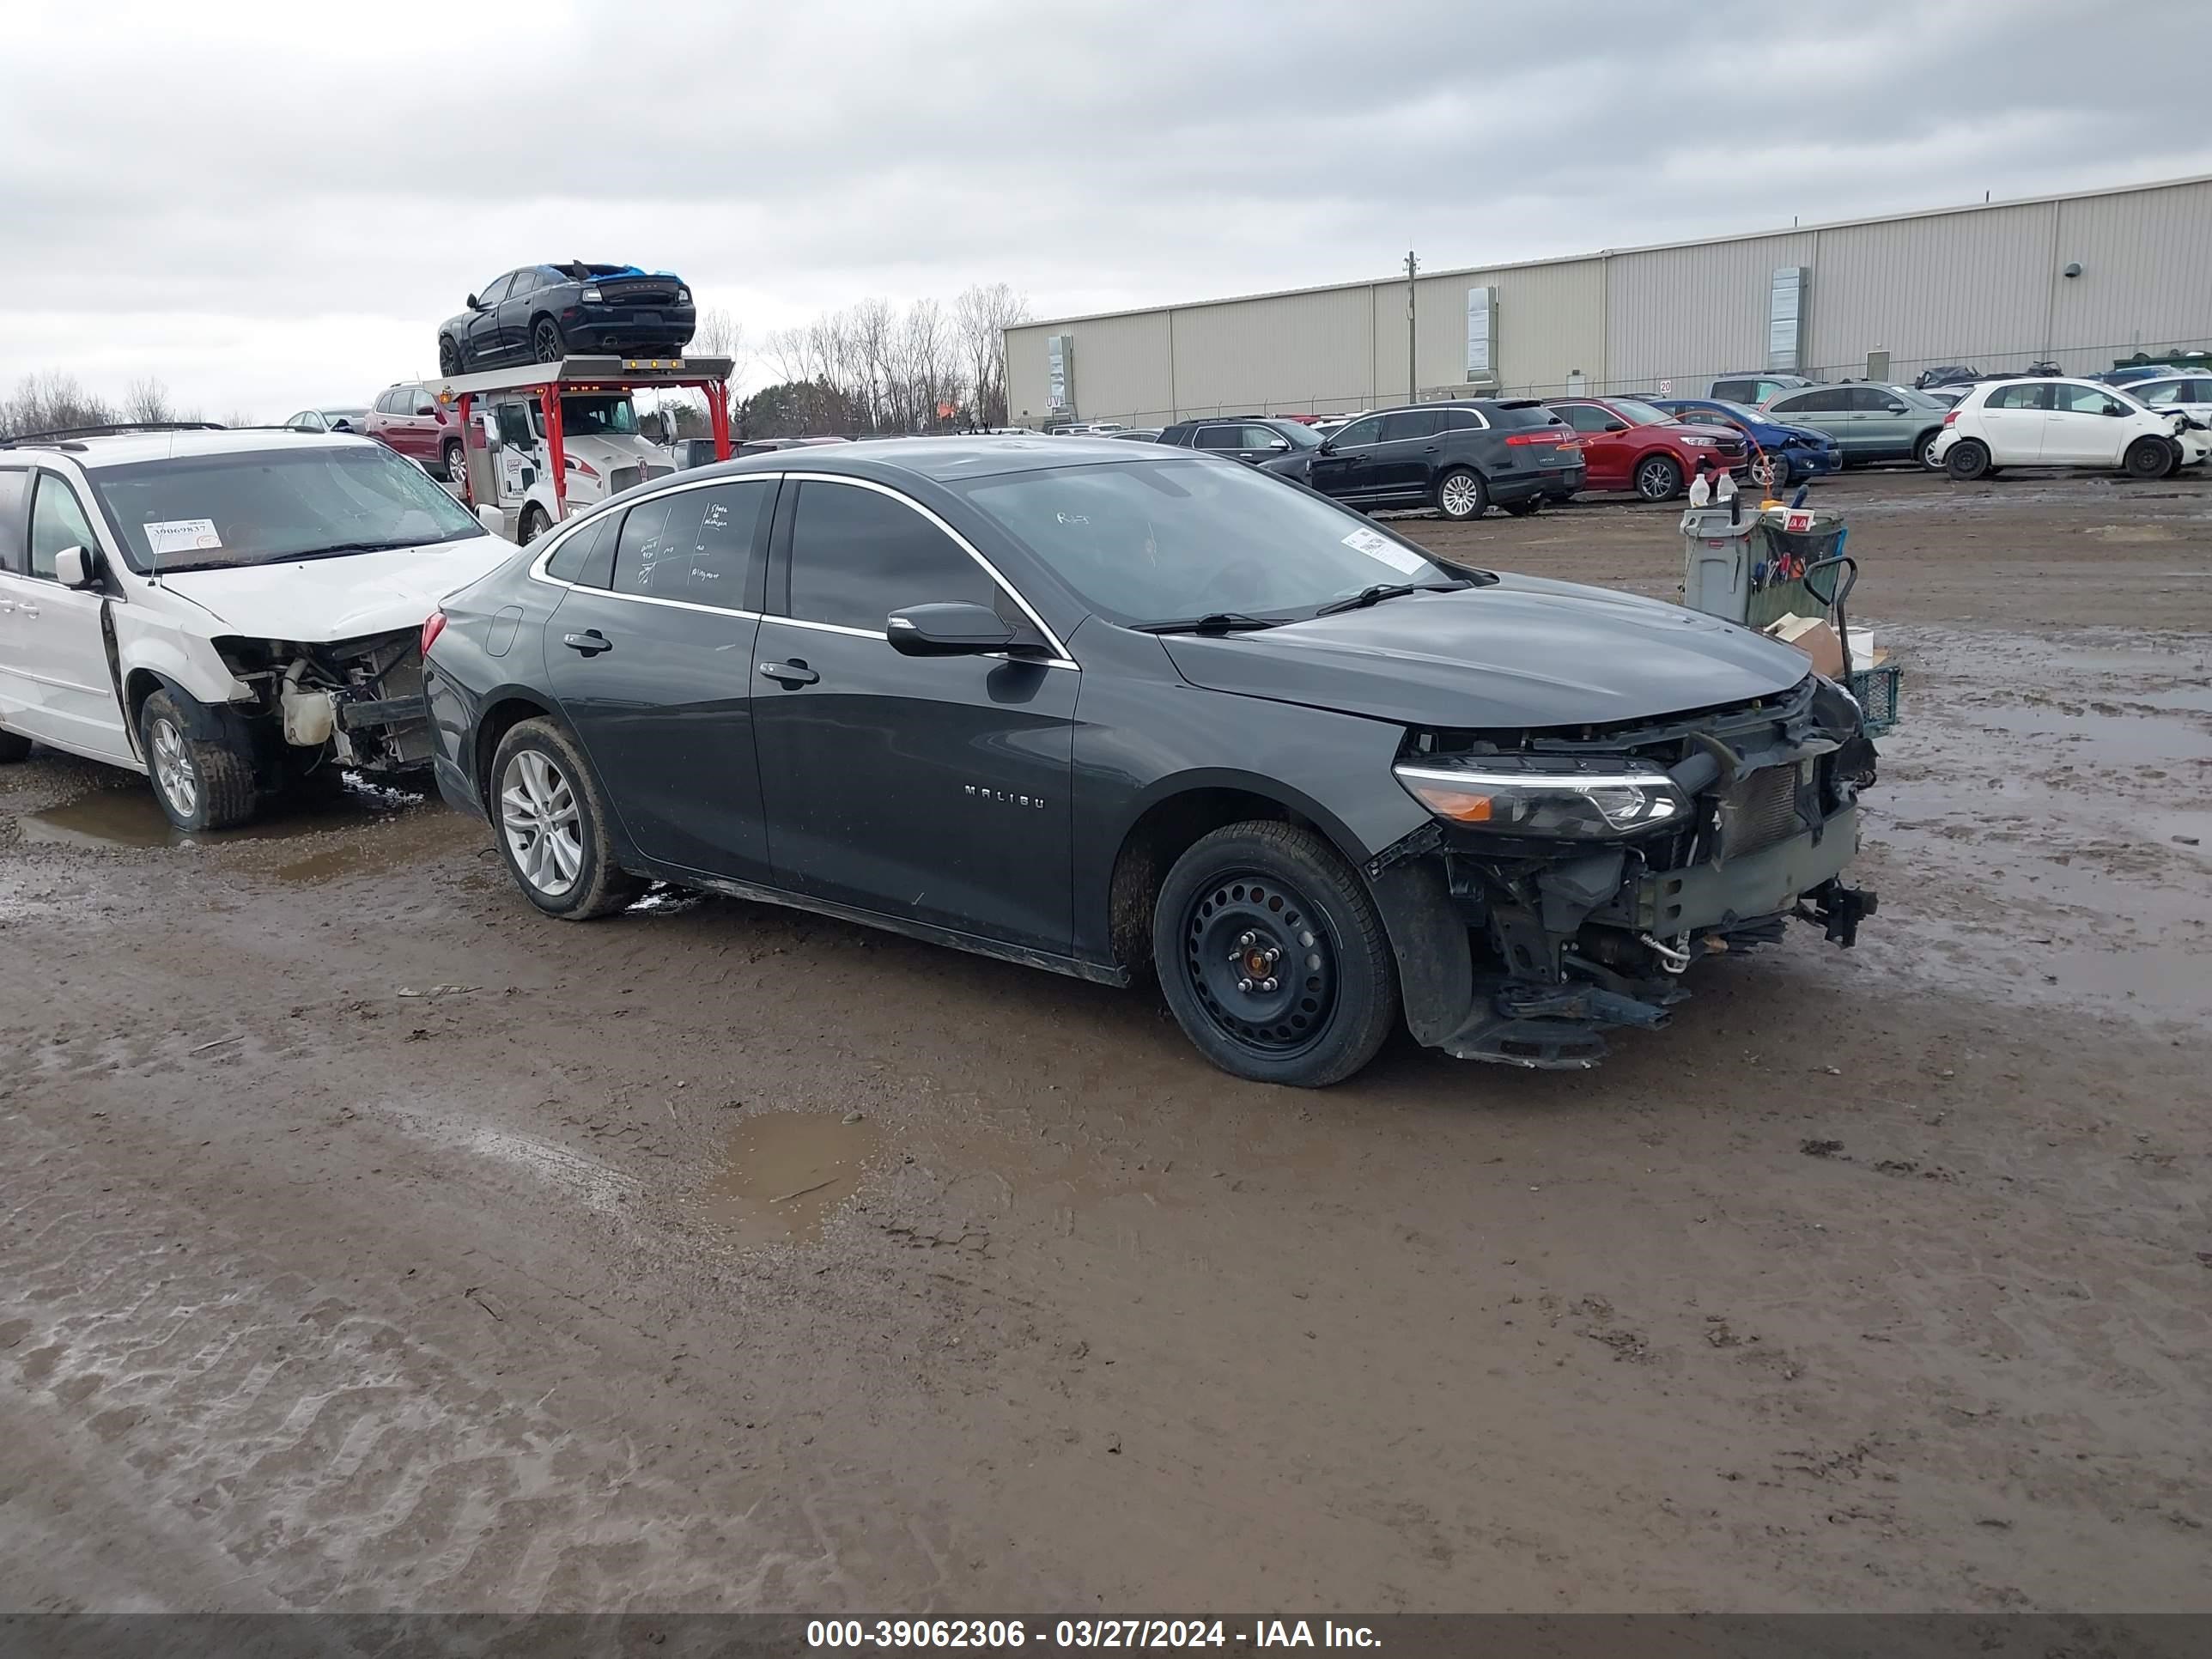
[267, 207]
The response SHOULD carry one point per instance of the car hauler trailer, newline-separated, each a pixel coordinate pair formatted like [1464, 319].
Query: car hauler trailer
[544, 441]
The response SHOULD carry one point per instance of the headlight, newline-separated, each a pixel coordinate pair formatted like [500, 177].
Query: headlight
[1701, 443]
[1547, 798]
[590, 296]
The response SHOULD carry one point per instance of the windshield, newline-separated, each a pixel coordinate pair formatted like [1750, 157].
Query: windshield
[598, 418]
[208, 511]
[1743, 412]
[1301, 435]
[1638, 414]
[1149, 542]
[1915, 399]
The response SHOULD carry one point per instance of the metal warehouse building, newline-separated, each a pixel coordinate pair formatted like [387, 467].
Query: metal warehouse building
[2083, 278]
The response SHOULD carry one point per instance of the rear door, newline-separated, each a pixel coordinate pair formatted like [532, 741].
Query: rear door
[60, 656]
[1404, 463]
[14, 520]
[1341, 467]
[931, 788]
[650, 652]
[2011, 422]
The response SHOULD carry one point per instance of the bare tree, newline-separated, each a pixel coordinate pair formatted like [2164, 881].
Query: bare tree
[982, 316]
[148, 400]
[51, 401]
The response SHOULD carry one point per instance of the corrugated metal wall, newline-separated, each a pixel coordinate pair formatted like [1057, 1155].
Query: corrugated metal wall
[1980, 285]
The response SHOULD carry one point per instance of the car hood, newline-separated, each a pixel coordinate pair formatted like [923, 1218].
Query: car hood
[1524, 653]
[1805, 435]
[316, 601]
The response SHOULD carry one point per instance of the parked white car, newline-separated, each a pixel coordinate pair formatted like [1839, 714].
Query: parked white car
[2185, 394]
[237, 614]
[2063, 422]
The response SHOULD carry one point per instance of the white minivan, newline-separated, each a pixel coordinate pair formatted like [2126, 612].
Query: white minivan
[2063, 422]
[236, 613]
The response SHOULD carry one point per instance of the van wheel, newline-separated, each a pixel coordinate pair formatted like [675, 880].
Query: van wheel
[546, 345]
[1271, 957]
[14, 746]
[199, 783]
[1659, 477]
[2148, 458]
[1925, 447]
[530, 526]
[551, 822]
[1461, 495]
[1968, 460]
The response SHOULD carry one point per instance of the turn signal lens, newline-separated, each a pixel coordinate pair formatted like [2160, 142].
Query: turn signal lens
[432, 628]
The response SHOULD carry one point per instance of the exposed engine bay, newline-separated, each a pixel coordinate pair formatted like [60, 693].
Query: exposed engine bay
[1632, 853]
[357, 704]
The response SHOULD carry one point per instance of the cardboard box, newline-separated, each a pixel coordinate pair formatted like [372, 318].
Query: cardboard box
[1815, 638]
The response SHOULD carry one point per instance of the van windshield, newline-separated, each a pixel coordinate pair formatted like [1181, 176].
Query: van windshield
[265, 506]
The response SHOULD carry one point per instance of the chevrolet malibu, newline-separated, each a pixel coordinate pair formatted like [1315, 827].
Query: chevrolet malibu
[1127, 713]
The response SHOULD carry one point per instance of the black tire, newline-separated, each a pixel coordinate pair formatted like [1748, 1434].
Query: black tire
[1461, 495]
[449, 355]
[559, 832]
[456, 471]
[199, 783]
[1658, 478]
[1967, 460]
[1525, 506]
[530, 526]
[1233, 905]
[2148, 458]
[546, 343]
[14, 746]
[1923, 447]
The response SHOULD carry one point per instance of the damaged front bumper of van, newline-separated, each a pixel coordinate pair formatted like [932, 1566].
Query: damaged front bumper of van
[1568, 880]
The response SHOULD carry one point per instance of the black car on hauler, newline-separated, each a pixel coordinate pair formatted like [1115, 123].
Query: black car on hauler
[1128, 712]
[542, 313]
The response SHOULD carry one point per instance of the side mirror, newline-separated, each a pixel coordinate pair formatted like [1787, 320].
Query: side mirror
[421, 410]
[947, 630]
[1327, 446]
[76, 567]
[2114, 408]
[1616, 426]
[1279, 444]
[475, 304]
[1894, 408]
[492, 519]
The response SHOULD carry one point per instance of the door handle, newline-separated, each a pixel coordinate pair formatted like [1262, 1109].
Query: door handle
[6, 605]
[591, 642]
[26, 610]
[792, 673]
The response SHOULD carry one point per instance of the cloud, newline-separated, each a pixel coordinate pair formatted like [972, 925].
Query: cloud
[275, 205]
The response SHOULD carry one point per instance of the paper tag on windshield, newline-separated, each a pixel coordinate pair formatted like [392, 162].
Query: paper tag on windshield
[182, 536]
[1377, 545]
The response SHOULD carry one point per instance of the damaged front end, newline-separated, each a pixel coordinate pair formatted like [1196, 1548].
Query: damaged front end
[1569, 877]
[353, 705]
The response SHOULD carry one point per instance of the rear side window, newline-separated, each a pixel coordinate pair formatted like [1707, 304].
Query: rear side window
[1812, 403]
[857, 555]
[15, 497]
[2015, 396]
[587, 557]
[57, 521]
[695, 544]
[1218, 437]
[1411, 423]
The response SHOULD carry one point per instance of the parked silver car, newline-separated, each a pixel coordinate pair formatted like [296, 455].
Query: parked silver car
[1869, 421]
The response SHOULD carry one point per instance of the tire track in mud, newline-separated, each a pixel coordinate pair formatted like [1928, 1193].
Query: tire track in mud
[337, 1459]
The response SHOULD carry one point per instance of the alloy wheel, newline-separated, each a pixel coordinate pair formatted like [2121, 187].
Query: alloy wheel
[1459, 495]
[542, 824]
[174, 774]
[1262, 964]
[1655, 481]
[545, 343]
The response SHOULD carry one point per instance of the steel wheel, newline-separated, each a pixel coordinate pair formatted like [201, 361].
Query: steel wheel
[1262, 964]
[174, 774]
[538, 815]
[1459, 495]
[545, 342]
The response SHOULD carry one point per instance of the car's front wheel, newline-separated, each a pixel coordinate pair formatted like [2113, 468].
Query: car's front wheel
[1271, 957]
[1659, 477]
[1461, 495]
[2148, 458]
[530, 526]
[199, 783]
[1967, 460]
[546, 344]
[1770, 471]
[1926, 448]
[552, 824]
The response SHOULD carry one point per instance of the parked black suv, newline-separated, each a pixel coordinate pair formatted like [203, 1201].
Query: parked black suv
[541, 313]
[1457, 458]
[1267, 441]
[1124, 712]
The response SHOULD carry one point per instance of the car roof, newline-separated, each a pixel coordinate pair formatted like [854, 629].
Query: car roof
[941, 460]
[127, 448]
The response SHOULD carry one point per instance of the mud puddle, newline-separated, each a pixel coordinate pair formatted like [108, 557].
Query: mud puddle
[784, 1174]
[128, 819]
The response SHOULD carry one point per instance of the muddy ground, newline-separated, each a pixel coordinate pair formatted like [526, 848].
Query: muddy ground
[370, 1242]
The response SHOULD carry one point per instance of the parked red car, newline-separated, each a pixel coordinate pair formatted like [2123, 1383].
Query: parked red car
[1627, 445]
[409, 419]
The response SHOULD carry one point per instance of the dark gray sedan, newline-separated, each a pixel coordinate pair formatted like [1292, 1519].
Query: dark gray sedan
[1126, 713]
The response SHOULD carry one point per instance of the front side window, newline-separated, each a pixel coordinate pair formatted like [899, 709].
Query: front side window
[1587, 417]
[1155, 541]
[1871, 400]
[1366, 431]
[694, 544]
[2158, 392]
[57, 521]
[514, 426]
[496, 292]
[2087, 399]
[858, 555]
[267, 506]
